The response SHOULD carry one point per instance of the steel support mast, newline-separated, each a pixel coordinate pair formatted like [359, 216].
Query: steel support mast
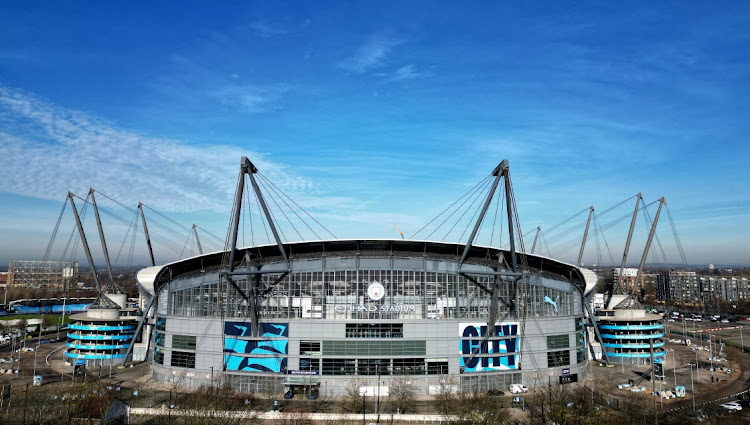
[101, 234]
[145, 231]
[197, 241]
[617, 284]
[533, 246]
[501, 171]
[585, 235]
[84, 241]
[252, 271]
[648, 243]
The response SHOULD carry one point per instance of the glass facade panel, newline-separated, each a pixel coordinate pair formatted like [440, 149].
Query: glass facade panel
[342, 294]
[309, 348]
[558, 358]
[558, 341]
[183, 342]
[306, 363]
[183, 359]
[367, 348]
[374, 330]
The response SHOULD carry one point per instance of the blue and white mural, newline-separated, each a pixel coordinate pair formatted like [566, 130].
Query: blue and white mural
[256, 355]
[494, 354]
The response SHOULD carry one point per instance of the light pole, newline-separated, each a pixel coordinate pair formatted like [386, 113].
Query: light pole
[692, 388]
[697, 371]
[711, 352]
[674, 369]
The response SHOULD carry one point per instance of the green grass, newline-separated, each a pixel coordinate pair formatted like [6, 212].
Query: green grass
[35, 316]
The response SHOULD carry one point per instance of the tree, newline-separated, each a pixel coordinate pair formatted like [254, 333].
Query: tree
[477, 409]
[351, 400]
[402, 393]
[207, 405]
[446, 393]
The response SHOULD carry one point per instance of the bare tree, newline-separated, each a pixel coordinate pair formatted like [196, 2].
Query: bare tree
[477, 409]
[446, 393]
[402, 393]
[351, 400]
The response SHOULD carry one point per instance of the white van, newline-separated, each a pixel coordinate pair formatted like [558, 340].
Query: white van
[518, 389]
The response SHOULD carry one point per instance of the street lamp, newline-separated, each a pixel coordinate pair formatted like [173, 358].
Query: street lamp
[697, 371]
[692, 388]
[674, 369]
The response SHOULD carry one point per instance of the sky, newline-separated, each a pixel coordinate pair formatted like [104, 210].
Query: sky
[370, 114]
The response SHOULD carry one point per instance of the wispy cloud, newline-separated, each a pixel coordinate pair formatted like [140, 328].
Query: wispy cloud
[267, 29]
[56, 149]
[251, 99]
[370, 55]
[406, 72]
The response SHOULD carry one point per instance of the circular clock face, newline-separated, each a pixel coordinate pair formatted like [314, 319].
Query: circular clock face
[376, 291]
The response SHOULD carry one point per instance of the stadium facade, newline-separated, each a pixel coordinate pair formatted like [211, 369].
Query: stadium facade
[335, 313]
[329, 316]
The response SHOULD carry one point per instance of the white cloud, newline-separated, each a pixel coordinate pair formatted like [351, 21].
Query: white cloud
[267, 29]
[406, 72]
[50, 150]
[370, 55]
[251, 99]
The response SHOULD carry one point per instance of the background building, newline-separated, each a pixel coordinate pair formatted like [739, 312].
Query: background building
[42, 274]
[729, 289]
[680, 287]
[628, 282]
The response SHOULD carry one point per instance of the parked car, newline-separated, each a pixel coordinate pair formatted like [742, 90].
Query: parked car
[518, 389]
[697, 416]
[732, 406]
[495, 393]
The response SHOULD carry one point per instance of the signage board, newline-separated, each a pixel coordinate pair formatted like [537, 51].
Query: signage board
[302, 372]
[567, 379]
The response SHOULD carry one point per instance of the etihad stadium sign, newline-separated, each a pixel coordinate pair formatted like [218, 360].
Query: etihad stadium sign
[405, 308]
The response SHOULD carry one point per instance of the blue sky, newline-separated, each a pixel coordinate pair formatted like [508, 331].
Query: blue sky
[371, 114]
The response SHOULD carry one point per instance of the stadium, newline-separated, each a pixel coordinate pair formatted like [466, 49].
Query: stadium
[322, 316]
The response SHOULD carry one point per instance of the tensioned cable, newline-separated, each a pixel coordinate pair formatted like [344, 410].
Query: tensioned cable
[478, 189]
[130, 226]
[541, 232]
[210, 234]
[494, 220]
[182, 226]
[599, 226]
[656, 236]
[54, 232]
[676, 238]
[190, 236]
[261, 218]
[271, 186]
[248, 210]
[476, 211]
[298, 206]
[278, 207]
[450, 206]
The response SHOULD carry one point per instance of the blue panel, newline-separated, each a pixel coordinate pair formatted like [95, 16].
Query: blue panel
[101, 337]
[272, 347]
[632, 327]
[94, 356]
[476, 363]
[102, 328]
[633, 336]
[96, 347]
[634, 345]
[637, 355]
[268, 330]
[255, 364]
